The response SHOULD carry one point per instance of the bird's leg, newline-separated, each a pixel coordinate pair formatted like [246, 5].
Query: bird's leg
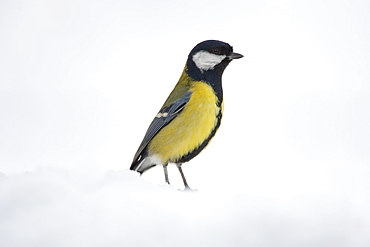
[166, 173]
[183, 176]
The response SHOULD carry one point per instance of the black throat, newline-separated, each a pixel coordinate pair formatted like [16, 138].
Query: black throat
[212, 77]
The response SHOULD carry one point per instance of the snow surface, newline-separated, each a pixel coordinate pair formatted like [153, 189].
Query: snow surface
[61, 208]
[80, 81]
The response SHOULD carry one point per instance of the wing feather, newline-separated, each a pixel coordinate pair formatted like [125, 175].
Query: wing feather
[164, 117]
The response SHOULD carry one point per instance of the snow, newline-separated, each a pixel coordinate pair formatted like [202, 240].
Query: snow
[81, 81]
[118, 208]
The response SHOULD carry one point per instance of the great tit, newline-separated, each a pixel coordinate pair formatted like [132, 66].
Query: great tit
[192, 113]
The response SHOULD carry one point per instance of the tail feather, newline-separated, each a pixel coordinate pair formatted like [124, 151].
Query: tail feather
[142, 164]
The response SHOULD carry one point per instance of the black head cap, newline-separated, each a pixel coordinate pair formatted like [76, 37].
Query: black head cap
[210, 58]
[213, 46]
[207, 62]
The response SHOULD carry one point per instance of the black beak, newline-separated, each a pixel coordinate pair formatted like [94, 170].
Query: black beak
[235, 55]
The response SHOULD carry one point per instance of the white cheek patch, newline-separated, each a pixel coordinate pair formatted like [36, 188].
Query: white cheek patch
[206, 61]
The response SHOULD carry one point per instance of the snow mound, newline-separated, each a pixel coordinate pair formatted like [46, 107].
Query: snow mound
[118, 208]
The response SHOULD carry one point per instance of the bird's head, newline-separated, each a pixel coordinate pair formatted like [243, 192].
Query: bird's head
[210, 56]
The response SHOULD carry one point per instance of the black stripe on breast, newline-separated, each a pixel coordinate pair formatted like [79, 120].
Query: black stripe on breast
[197, 150]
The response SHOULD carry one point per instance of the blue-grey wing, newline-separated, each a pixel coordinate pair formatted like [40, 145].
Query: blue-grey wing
[164, 117]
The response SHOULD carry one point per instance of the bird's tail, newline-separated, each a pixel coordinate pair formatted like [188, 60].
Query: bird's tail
[142, 164]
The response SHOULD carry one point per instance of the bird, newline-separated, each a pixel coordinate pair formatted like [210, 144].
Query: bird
[192, 113]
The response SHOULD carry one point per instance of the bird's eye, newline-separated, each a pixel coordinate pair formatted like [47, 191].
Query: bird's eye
[216, 51]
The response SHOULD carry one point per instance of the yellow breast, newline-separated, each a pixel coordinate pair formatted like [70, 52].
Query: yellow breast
[190, 128]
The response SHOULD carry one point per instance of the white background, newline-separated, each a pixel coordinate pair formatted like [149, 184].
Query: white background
[80, 81]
